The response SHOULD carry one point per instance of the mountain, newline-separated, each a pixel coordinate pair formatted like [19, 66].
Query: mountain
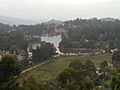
[16, 21]
[108, 19]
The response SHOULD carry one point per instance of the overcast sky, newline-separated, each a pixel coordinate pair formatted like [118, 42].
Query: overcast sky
[59, 9]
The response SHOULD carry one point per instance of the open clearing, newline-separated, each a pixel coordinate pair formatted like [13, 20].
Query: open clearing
[49, 71]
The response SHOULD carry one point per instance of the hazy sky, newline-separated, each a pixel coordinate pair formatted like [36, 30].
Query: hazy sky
[59, 9]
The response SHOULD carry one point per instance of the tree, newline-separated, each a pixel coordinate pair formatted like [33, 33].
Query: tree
[44, 52]
[75, 80]
[116, 58]
[16, 38]
[115, 82]
[14, 50]
[31, 84]
[103, 64]
[77, 65]
[89, 66]
[90, 69]
[9, 70]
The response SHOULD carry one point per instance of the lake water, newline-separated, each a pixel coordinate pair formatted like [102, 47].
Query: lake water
[54, 39]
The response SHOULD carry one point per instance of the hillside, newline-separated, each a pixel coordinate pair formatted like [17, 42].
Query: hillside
[54, 67]
[90, 34]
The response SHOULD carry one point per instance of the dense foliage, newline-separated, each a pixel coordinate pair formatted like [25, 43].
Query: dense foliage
[9, 70]
[44, 52]
[14, 38]
[91, 34]
[116, 58]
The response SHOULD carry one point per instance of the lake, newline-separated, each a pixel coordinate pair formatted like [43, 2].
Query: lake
[53, 39]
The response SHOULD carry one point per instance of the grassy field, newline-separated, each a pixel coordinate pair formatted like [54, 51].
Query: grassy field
[50, 71]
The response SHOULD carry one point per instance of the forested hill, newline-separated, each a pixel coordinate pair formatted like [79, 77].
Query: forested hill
[80, 33]
[91, 33]
[4, 27]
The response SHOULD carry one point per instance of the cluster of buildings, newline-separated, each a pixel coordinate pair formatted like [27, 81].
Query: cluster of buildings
[59, 30]
[22, 54]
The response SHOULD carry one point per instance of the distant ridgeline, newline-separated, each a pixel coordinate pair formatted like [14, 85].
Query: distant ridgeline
[90, 35]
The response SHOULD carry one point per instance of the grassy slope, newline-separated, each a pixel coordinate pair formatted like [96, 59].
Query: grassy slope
[49, 71]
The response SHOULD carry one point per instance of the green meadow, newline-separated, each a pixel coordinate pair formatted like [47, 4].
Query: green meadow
[50, 71]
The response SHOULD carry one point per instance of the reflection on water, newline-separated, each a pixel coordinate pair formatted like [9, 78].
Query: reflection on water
[54, 39]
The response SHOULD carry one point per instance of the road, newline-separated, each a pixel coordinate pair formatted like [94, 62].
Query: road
[34, 67]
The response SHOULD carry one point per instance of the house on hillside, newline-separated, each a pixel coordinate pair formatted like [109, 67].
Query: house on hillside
[59, 30]
[33, 46]
[23, 55]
